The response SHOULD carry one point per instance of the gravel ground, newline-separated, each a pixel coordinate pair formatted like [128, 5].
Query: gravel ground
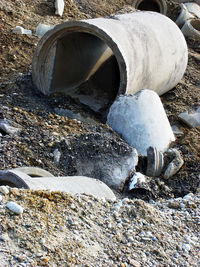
[63, 230]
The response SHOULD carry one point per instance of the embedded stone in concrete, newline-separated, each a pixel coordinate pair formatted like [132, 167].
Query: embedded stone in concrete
[141, 120]
[70, 184]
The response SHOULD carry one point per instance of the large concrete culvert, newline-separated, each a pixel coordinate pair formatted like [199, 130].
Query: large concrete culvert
[96, 60]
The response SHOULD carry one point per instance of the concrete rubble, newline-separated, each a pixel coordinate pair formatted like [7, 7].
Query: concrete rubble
[21, 30]
[142, 123]
[59, 6]
[192, 118]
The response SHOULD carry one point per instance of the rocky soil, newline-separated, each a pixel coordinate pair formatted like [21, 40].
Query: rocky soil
[60, 230]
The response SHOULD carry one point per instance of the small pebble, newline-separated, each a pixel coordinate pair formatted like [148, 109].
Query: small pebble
[14, 207]
[186, 247]
[4, 190]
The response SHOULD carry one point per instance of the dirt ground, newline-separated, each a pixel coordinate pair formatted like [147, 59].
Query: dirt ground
[43, 130]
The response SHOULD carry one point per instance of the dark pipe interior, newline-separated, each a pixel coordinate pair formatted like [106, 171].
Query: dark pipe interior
[149, 5]
[195, 24]
[76, 53]
[8, 183]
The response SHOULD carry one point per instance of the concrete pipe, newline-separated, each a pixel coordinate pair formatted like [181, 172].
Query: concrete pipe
[70, 184]
[183, 16]
[192, 29]
[159, 6]
[33, 171]
[194, 9]
[95, 60]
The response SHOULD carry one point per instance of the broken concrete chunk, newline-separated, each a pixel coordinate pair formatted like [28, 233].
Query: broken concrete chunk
[191, 119]
[155, 162]
[21, 30]
[142, 121]
[191, 29]
[136, 180]
[59, 5]
[43, 28]
[70, 184]
[176, 163]
[7, 128]
[176, 130]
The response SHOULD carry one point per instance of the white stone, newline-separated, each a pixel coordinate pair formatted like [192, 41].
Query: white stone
[1, 198]
[59, 5]
[14, 207]
[4, 190]
[56, 155]
[21, 30]
[142, 121]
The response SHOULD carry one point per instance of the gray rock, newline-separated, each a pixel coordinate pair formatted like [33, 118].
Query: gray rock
[175, 165]
[56, 155]
[4, 190]
[7, 128]
[191, 119]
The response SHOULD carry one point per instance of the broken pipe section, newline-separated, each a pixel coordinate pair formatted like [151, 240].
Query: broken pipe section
[98, 59]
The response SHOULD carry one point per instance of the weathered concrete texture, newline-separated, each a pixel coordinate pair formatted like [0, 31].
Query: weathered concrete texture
[151, 5]
[124, 54]
[70, 184]
[142, 121]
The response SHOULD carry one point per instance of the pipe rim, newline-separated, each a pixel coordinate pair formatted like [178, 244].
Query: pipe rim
[70, 27]
[12, 179]
[161, 3]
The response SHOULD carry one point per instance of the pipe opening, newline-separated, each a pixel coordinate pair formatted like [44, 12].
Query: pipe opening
[149, 5]
[8, 183]
[85, 68]
[195, 24]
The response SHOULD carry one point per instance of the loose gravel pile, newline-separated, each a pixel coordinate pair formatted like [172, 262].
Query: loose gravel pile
[62, 230]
